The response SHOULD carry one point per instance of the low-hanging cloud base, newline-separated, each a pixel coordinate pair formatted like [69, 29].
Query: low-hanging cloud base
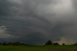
[36, 21]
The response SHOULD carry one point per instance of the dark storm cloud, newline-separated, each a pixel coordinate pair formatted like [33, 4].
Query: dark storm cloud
[23, 26]
[5, 8]
[36, 21]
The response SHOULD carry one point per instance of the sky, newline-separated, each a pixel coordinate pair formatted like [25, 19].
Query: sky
[36, 21]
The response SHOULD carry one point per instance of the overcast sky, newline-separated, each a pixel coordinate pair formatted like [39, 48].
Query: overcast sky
[36, 21]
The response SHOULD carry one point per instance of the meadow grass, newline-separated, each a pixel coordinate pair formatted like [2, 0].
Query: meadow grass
[38, 48]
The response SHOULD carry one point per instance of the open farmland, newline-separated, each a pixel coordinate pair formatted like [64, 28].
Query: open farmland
[39, 48]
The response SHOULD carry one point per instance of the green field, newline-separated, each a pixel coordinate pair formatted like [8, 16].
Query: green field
[39, 48]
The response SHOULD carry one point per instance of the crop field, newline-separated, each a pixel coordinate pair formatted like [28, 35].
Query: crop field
[40, 48]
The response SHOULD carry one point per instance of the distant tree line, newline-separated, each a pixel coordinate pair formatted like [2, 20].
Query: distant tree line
[21, 44]
[13, 43]
[75, 44]
[50, 43]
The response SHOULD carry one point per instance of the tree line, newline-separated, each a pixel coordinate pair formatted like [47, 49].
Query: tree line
[20, 44]
[50, 43]
[12, 43]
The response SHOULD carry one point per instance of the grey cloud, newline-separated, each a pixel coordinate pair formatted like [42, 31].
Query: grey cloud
[36, 21]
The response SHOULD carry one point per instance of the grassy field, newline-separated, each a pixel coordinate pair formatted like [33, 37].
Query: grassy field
[39, 48]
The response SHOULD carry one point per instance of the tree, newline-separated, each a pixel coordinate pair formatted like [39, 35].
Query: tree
[0, 43]
[18, 43]
[75, 44]
[63, 44]
[4, 43]
[9, 43]
[56, 43]
[48, 42]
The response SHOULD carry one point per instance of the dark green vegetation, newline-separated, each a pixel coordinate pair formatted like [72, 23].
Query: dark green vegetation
[40, 48]
[48, 43]
[49, 46]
